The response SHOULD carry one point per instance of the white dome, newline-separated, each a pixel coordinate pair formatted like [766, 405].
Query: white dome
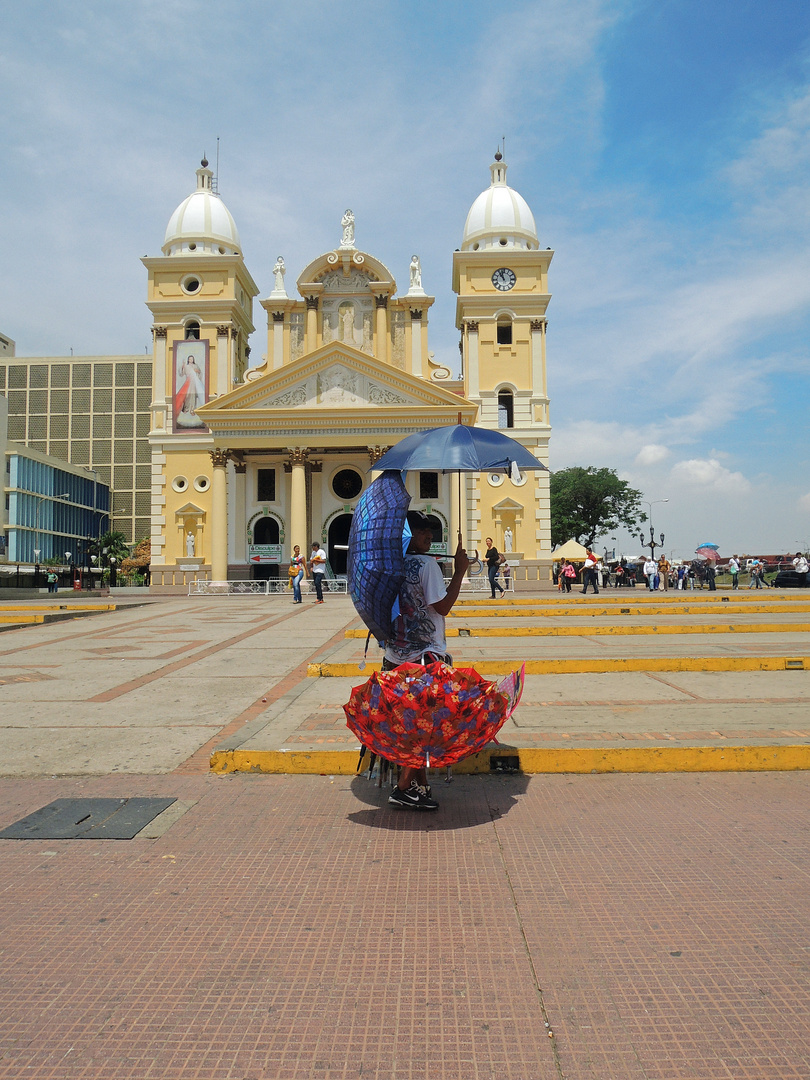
[499, 217]
[202, 224]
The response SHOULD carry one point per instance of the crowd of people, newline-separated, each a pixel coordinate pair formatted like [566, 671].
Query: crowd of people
[660, 574]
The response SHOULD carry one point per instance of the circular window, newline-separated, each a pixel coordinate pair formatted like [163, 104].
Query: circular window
[192, 247]
[475, 247]
[180, 483]
[222, 251]
[502, 241]
[523, 477]
[202, 483]
[347, 484]
[495, 479]
[191, 284]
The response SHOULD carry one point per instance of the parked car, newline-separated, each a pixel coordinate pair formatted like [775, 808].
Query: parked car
[788, 579]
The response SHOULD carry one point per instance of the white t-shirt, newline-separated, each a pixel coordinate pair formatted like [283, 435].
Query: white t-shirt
[318, 567]
[800, 565]
[650, 567]
[418, 628]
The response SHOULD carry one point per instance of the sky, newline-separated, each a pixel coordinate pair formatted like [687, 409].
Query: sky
[663, 146]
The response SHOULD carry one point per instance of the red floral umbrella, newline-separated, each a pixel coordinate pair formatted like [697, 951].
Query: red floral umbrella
[430, 716]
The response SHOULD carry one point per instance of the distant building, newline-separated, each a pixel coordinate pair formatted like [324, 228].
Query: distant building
[7, 346]
[90, 411]
[49, 506]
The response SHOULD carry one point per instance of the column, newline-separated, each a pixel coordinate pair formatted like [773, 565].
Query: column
[416, 341]
[219, 516]
[239, 513]
[381, 344]
[473, 390]
[161, 393]
[223, 360]
[374, 455]
[539, 367]
[311, 342]
[297, 464]
[276, 360]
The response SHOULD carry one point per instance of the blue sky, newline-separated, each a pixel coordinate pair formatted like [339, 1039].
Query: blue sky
[663, 146]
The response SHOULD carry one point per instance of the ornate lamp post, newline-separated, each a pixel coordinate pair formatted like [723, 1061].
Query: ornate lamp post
[651, 544]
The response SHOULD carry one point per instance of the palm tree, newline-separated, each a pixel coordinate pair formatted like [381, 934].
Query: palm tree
[113, 545]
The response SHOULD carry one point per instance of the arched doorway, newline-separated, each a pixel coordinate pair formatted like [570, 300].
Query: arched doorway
[338, 541]
[265, 531]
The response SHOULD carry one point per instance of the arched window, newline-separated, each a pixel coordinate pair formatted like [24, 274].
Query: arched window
[506, 409]
[265, 531]
[504, 330]
[192, 331]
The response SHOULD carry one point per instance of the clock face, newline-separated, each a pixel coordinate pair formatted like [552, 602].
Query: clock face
[504, 279]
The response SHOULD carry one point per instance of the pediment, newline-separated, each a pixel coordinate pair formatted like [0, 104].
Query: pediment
[507, 504]
[336, 376]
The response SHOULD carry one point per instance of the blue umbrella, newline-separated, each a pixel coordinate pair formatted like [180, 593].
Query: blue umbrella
[707, 545]
[458, 448]
[375, 567]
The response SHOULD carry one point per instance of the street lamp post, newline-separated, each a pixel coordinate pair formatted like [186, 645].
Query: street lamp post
[651, 544]
[37, 550]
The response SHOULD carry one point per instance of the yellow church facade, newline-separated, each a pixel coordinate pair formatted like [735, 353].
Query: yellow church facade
[248, 461]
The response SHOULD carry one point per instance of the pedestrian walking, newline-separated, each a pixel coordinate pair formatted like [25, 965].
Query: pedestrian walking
[589, 573]
[650, 570]
[317, 567]
[663, 571]
[734, 570]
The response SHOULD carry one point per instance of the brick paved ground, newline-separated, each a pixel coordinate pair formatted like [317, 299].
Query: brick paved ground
[295, 928]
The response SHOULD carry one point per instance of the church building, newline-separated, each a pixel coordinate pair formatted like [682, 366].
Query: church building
[248, 461]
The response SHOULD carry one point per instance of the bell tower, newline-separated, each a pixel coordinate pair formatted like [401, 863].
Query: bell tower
[201, 296]
[500, 275]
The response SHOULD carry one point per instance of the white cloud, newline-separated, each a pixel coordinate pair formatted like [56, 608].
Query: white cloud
[709, 473]
[651, 454]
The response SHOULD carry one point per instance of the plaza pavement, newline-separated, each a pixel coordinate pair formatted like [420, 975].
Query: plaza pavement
[579, 927]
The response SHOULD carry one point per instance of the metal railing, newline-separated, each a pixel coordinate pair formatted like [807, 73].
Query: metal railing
[260, 588]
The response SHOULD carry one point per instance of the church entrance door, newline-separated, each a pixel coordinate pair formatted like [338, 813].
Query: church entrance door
[338, 541]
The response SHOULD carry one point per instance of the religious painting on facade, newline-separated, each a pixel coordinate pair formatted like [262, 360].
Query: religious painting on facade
[190, 387]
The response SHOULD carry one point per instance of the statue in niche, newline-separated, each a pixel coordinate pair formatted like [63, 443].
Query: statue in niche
[416, 273]
[507, 540]
[347, 223]
[279, 270]
[190, 544]
[346, 323]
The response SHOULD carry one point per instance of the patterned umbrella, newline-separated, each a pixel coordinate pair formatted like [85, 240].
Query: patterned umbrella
[708, 551]
[375, 568]
[429, 716]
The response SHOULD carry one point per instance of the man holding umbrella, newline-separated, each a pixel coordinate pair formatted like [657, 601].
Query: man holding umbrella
[419, 636]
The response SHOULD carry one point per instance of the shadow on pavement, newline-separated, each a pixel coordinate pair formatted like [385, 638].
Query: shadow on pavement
[465, 803]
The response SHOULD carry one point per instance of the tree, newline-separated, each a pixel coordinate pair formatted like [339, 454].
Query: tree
[116, 547]
[586, 503]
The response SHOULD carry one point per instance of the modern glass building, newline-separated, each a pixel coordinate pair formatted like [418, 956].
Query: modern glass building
[90, 411]
[51, 508]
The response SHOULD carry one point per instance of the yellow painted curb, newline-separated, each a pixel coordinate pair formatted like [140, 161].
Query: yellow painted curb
[645, 759]
[48, 609]
[616, 631]
[317, 762]
[624, 609]
[594, 665]
[637, 596]
[22, 620]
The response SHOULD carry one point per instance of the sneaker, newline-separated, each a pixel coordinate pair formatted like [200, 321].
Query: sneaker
[414, 798]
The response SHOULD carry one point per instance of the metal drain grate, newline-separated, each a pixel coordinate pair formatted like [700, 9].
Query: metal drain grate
[87, 819]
